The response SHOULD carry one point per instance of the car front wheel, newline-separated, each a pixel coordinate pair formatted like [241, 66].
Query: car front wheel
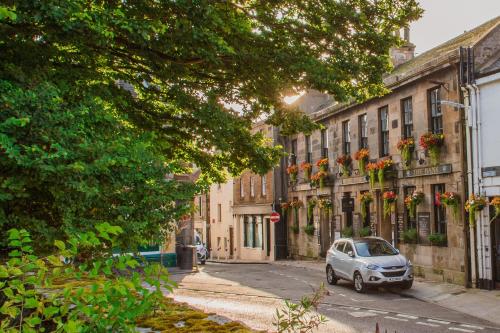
[331, 278]
[359, 284]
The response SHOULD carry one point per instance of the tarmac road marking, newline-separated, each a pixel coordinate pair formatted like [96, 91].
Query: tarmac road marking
[378, 311]
[438, 321]
[395, 318]
[460, 329]
[406, 316]
[427, 324]
[472, 326]
[362, 314]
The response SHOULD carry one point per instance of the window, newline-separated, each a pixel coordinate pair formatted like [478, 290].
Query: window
[252, 231]
[324, 143]
[411, 222]
[384, 131]
[347, 248]
[435, 108]
[200, 211]
[293, 155]
[346, 137]
[242, 189]
[363, 131]
[263, 185]
[308, 149]
[439, 209]
[252, 187]
[407, 117]
[339, 246]
[219, 212]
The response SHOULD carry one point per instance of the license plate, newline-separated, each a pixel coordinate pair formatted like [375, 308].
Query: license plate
[395, 279]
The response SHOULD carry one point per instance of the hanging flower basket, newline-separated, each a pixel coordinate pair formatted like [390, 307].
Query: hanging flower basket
[344, 161]
[383, 167]
[309, 229]
[310, 207]
[296, 205]
[495, 202]
[306, 168]
[432, 143]
[292, 171]
[475, 204]
[412, 201]
[322, 164]
[365, 199]
[406, 147]
[362, 156]
[451, 200]
[285, 206]
[319, 179]
[325, 203]
[389, 199]
[372, 173]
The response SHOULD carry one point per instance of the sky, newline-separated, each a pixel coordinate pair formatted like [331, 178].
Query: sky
[446, 19]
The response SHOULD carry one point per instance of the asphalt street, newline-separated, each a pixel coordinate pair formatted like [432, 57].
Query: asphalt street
[250, 293]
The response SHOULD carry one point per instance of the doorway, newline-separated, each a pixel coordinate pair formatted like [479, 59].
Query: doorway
[385, 221]
[325, 231]
[268, 237]
[495, 246]
[231, 242]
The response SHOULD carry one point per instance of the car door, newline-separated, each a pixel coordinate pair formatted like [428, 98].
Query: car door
[348, 261]
[336, 257]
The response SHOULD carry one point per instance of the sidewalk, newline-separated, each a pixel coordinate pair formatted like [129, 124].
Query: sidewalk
[476, 302]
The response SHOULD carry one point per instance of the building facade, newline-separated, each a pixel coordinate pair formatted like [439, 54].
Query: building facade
[481, 86]
[419, 107]
[201, 217]
[221, 227]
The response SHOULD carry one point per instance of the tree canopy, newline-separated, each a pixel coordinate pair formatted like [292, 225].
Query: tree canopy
[100, 99]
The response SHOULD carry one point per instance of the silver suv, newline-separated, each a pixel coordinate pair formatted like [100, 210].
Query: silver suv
[367, 261]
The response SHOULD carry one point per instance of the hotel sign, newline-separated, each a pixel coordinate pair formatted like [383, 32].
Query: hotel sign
[428, 171]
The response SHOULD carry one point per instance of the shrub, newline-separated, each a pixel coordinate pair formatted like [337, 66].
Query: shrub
[103, 295]
[364, 232]
[410, 236]
[438, 239]
[347, 232]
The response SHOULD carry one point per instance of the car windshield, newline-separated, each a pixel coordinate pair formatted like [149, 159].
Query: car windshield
[374, 248]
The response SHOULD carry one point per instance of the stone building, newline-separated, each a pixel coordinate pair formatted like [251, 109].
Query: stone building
[221, 227]
[201, 217]
[422, 92]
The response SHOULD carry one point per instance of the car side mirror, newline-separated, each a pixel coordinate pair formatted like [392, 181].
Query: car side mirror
[350, 254]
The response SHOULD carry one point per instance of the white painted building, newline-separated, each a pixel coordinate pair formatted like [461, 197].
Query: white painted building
[484, 166]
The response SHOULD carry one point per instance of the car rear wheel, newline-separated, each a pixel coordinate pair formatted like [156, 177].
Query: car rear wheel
[331, 278]
[359, 284]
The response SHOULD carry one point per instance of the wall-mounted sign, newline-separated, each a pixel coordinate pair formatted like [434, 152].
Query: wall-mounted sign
[347, 204]
[427, 171]
[353, 180]
[424, 225]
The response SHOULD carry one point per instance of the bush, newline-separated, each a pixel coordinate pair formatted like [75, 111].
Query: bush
[438, 239]
[364, 232]
[347, 232]
[410, 236]
[295, 229]
[102, 295]
[309, 229]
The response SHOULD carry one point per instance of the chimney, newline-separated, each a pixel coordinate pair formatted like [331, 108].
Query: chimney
[405, 52]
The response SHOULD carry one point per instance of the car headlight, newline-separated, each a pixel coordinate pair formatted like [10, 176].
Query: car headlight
[372, 267]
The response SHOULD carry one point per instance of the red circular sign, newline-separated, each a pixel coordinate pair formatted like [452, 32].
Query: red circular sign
[275, 217]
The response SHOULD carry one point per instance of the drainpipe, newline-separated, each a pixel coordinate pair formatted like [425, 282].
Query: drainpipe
[479, 179]
[467, 178]
[473, 186]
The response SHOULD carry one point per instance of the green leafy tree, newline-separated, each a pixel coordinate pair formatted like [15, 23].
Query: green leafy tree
[100, 99]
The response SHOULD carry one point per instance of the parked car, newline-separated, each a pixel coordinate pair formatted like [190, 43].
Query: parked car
[367, 261]
[201, 249]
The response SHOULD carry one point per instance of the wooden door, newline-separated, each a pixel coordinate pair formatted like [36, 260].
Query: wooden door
[231, 242]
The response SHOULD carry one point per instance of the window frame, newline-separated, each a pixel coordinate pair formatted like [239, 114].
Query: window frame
[324, 143]
[406, 127]
[242, 188]
[346, 137]
[308, 146]
[439, 212]
[263, 185]
[219, 212]
[437, 104]
[252, 187]
[293, 152]
[363, 140]
[383, 144]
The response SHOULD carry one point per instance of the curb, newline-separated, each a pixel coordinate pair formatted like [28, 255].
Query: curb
[238, 262]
